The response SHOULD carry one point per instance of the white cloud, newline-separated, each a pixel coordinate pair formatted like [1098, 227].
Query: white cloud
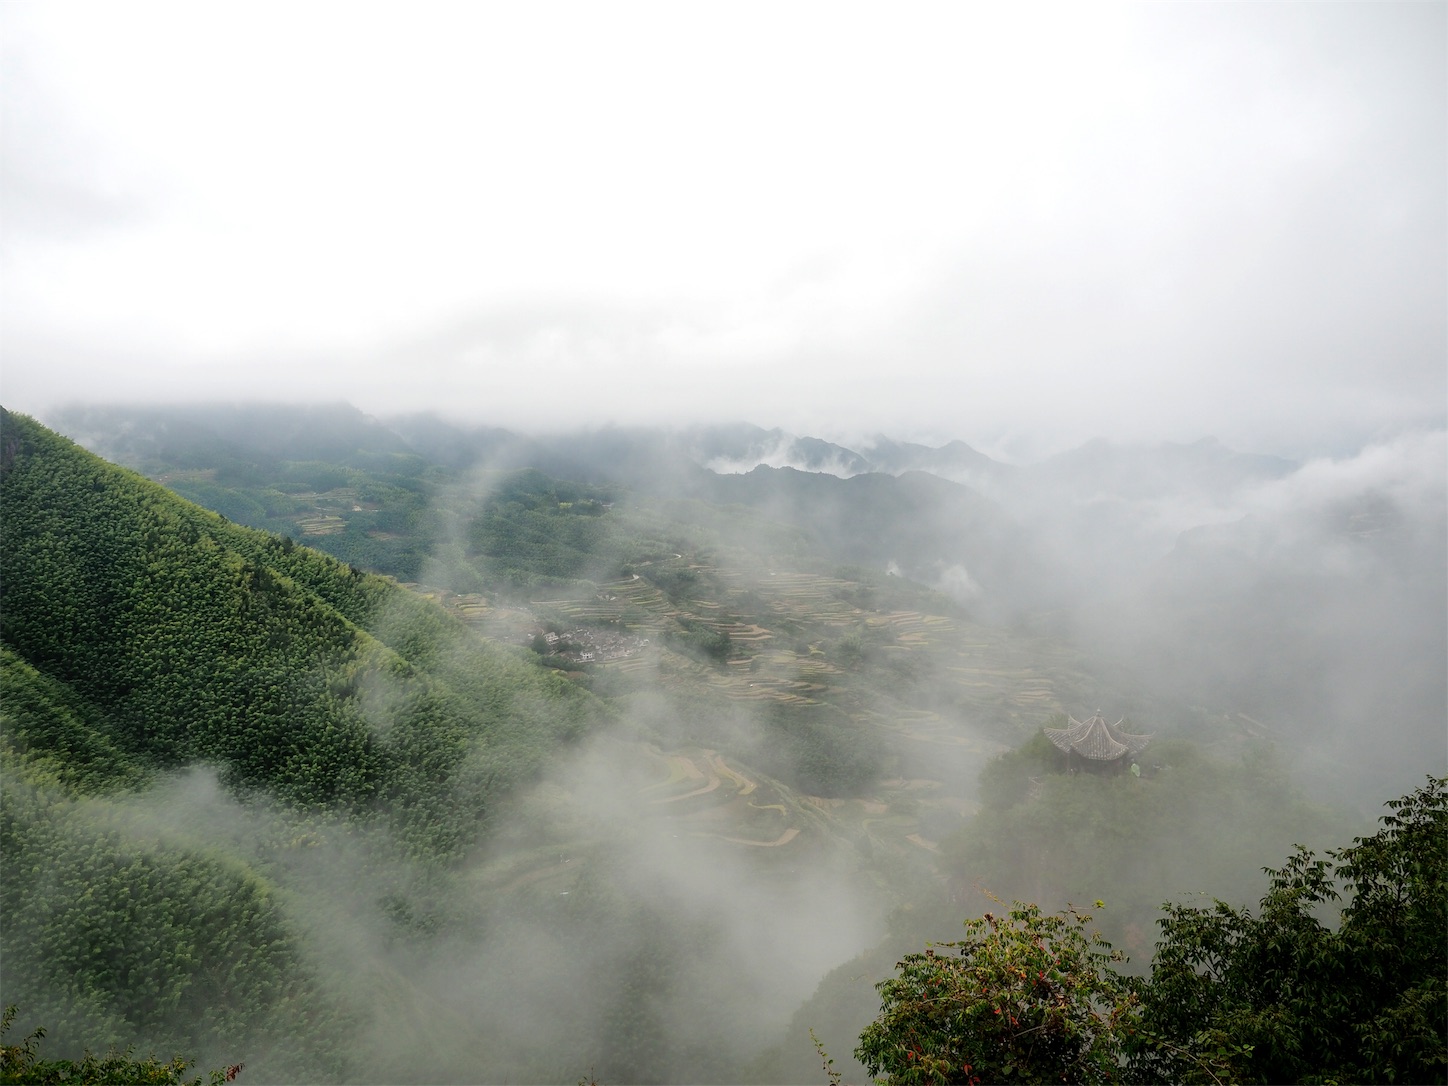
[968, 220]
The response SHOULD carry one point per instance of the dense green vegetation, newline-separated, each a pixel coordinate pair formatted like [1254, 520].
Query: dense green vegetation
[327, 473]
[1190, 823]
[354, 490]
[534, 531]
[158, 633]
[819, 749]
[1196, 822]
[1293, 999]
[46, 721]
[110, 938]
[21, 1065]
[1279, 996]
[1024, 998]
[140, 634]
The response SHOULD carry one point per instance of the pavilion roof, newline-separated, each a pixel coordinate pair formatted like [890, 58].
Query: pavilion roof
[1096, 739]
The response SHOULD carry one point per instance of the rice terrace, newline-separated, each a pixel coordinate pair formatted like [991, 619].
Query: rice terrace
[799, 643]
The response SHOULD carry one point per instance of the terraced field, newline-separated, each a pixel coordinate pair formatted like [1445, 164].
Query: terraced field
[945, 694]
[315, 524]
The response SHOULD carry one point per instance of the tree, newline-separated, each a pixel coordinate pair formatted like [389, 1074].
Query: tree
[21, 1063]
[1300, 1001]
[1276, 997]
[1028, 997]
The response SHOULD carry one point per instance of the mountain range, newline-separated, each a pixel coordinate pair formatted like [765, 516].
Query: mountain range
[330, 741]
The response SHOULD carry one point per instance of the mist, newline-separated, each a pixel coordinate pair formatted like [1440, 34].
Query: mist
[1144, 223]
[596, 903]
[831, 401]
[821, 655]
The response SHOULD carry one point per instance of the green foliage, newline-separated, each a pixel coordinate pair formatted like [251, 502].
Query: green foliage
[1365, 1002]
[677, 584]
[536, 530]
[1028, 997]
[45, 720]
[235, 505]
[21, 1063]
[1275, 997]
[700, 640]
[849, 651]
[826, 1064]
[284, 469]
[1195, 824]
[1007, 779]
[140, 633]
[817, 748]
[107, 938]
[144, 632]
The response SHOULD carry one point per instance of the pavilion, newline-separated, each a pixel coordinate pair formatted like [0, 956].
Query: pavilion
[1102, 745]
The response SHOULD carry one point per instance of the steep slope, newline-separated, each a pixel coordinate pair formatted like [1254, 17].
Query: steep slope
[140, 634]
[184, 637]
[113, 937]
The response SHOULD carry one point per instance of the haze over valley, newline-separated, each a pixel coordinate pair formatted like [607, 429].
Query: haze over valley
[734, 730]
[557, 542]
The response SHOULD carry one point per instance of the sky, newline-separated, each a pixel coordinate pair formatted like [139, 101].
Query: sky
[1019, 225]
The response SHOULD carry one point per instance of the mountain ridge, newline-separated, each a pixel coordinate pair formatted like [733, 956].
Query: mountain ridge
[323, 431]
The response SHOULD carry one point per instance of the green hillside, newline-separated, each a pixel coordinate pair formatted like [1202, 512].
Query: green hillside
[140, 634]
[111, 937]
[169, 635]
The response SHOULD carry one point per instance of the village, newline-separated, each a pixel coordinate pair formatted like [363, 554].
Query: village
[584, 645]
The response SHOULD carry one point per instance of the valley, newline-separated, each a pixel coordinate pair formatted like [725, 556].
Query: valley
[636, 767]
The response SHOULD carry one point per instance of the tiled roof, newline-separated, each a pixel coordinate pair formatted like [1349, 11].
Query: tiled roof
[1096, 739]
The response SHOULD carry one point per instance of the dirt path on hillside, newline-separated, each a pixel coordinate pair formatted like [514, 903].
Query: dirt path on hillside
[714, 783]
[741, 782]
[783, 839]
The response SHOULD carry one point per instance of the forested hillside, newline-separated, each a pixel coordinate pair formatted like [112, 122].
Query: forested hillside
[176, 636]
[141, 634]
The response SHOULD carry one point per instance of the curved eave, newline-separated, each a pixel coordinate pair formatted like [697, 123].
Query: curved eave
[1096, 740]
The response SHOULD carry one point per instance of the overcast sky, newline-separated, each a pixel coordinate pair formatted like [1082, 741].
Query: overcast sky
[1017, 225]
